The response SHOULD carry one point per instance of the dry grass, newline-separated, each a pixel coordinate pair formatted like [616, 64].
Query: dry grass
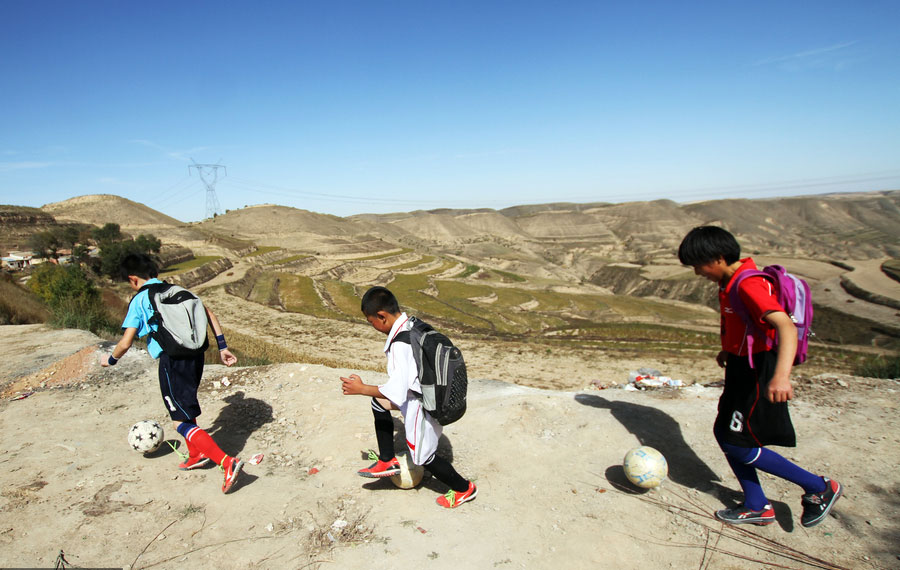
[18, 306]
[262, 250]
[384, 255]
[186, 266]
[253, 351]
[891, 268]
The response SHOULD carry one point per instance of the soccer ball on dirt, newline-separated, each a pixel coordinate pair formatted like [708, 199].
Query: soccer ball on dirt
[410, 473]
[645, 467]
[145, 436]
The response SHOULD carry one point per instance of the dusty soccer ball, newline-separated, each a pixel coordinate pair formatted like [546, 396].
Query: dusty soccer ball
[145, 436]
[410, 473]
[645, 467]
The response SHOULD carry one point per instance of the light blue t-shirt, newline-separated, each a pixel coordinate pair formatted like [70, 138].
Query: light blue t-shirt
[139, 313]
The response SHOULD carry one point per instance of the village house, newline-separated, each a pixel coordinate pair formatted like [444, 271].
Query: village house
[18, 260]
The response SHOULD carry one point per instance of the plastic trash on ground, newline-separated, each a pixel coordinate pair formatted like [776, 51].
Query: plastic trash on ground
[651, 378]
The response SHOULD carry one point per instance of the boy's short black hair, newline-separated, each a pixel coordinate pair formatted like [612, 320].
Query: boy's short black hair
[705, 244]
[139, 264]
[379, 299]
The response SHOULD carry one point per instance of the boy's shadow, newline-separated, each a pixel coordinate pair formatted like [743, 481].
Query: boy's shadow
[236, 421]
[658, 430]
[445, 450]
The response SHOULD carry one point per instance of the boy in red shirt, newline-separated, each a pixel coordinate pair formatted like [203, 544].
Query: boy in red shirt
[753, 410]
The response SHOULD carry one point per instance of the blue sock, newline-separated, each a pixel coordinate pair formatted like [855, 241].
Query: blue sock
[771, 462]
[754, 497]
[739, 458]
[745, 461]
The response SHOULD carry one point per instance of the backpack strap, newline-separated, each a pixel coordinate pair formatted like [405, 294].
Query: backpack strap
[402, 336]
[740, 308]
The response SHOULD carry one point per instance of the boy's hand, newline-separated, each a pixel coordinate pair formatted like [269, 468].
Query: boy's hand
[721, 358]
[779, 390]
[227, 357]
[352, 385]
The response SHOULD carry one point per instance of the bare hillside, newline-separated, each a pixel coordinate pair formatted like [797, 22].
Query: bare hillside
[99, 209]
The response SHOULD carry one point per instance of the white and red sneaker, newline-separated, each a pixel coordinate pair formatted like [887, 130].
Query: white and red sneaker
[193, 462]
[454, 499]
[232, 467]
[381, 469]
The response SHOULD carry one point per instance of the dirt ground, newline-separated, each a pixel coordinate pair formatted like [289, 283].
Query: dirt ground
[547, 463]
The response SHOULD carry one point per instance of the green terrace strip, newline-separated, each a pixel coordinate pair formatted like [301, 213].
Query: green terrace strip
[299, 295]
[185, 266]
[470, 270]
[262, 250]
[343, 297]
[506, 275]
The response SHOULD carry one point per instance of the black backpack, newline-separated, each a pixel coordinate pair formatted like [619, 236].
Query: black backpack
[180, 320]
[442, 371]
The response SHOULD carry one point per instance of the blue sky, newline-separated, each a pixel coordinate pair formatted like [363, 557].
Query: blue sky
[352, 107]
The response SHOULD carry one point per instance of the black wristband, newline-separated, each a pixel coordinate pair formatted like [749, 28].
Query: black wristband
[220, 340]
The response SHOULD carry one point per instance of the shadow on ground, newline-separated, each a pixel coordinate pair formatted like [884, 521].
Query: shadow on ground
[237, 420]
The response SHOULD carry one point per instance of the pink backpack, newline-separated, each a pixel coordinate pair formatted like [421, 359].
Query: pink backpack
[792, 294]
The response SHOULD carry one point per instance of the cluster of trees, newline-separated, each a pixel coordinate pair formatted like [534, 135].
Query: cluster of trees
[78, 237]
[49, 242]
[69, 291]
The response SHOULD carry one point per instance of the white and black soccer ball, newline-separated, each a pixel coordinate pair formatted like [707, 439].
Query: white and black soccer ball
[145, 436]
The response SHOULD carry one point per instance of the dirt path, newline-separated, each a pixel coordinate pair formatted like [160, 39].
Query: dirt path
[547, 464]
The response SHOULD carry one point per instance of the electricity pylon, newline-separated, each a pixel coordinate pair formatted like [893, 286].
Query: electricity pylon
[211, 170]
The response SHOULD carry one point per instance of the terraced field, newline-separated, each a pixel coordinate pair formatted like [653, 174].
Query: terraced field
[480, 302]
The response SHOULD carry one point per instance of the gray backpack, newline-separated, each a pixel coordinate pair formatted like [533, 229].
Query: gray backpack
[442, 371]
[180, 320]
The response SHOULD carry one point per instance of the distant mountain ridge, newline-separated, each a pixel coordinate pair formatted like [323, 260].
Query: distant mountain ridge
[574, 236]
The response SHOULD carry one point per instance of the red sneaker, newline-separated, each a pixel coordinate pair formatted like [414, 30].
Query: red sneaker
[194, 462]
[232, 467]
[381, 469]
[453, 499]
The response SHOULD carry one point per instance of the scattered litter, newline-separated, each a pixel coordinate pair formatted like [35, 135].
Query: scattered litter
[21, 396]
[340, 523]
[256, 459]
[313, 471]
[225, 381]
[651, 378]
[420, 529]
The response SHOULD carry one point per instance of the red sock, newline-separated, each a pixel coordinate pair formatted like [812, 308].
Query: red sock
[200, 441]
